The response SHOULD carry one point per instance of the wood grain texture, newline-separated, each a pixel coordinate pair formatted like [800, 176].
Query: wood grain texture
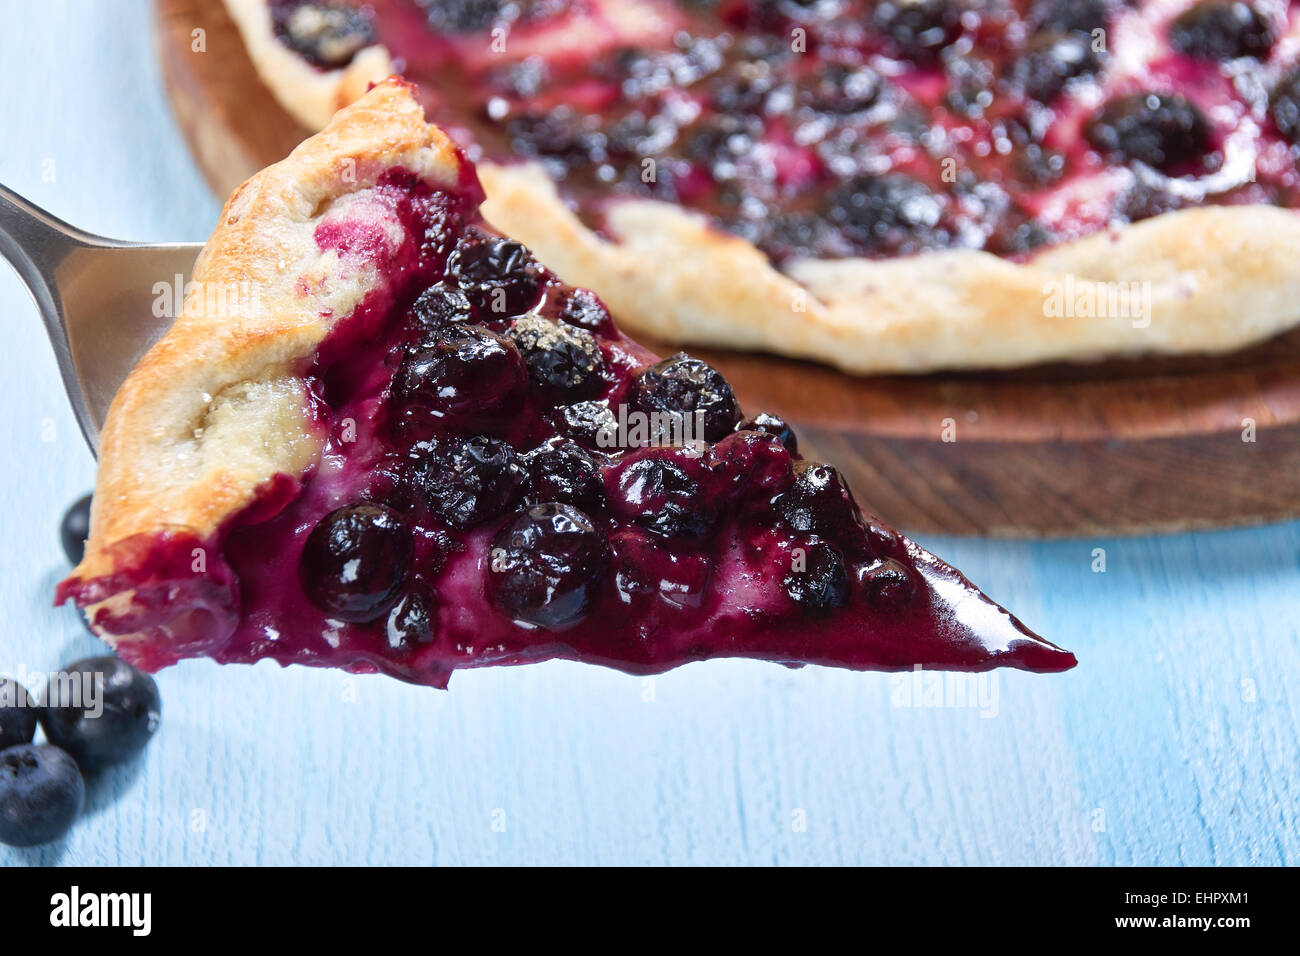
[1120, 447]
[1173, 742]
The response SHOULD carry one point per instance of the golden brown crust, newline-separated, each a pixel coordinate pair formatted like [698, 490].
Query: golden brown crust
[1198, 280]
[218, 407]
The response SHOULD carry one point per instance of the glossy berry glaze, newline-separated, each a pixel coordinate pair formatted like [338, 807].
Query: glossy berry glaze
[864, 127]
[478, 502]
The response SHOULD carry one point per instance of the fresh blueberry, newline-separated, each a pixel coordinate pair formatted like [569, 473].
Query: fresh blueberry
[17, 714]
[75, 529]
[439, 306]
[590, 424]
[412, 621]
[547, 568]
[659, 490]
[101, 710]
[562, 471]
[1159, 129]
[1221, 30]
[919, 29]
[889, 213]
[41, 794]
[464, 371]
[1284, 106]
[888, 584]
[356, 561]
[465, 483]
[771, 425]
[1051, 60]
[817, 579]
[326, 34]
[500, 276]
[561, 359]
[687, 387]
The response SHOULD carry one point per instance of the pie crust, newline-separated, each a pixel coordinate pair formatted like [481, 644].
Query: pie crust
[1201, 280]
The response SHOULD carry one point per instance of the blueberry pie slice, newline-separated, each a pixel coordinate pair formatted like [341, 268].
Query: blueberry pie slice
[402, 445]
[884, 185]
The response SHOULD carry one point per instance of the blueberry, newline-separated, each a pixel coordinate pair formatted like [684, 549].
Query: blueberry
[462, 16]
[919, 29]
[1159, 129]
[1284, 106]
[563, 472]
[772, 425]
[1141, 201]
[439, 306]
[1221, 30]
[1050, 61]
[547, 568]
[500, 276]
[889, 584]
[1017, 235]
[590, 424]
[75, 529]
[356, 561]
[17, 713]
[1085, 16]
[326, 34]
[751, 464]
[817, 579]
[659, 491]
[412, 621]
[970, 82]
[686, 386]
[581, 308]
[101, 710]
[465, 370]
[561, 359]
[819, 502]
[562, 134]
[890, 213]
[41, 794]
[839, 89]
[465, 483]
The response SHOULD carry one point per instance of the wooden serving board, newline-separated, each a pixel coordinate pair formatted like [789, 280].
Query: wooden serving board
[1117, 447]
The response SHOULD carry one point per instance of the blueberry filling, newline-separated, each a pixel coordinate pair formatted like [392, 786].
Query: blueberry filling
[560, 358]
[326, 34]
[817, 580]
[687, 387]
[865, 141]
[356, 561]
[1221, 30]
[548, 566]
[465, 483]
[464, 370]
[1161, 130]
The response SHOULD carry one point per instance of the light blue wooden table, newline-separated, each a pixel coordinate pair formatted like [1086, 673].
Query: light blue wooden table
[1175, 740]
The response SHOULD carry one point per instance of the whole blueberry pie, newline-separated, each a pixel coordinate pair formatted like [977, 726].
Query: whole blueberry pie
[402, 445]
[885, 185]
